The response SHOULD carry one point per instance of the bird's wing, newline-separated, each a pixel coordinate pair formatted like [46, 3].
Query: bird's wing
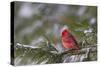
[71, 37]
[75, 42]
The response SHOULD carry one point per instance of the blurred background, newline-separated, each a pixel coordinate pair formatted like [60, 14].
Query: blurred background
[36, 23]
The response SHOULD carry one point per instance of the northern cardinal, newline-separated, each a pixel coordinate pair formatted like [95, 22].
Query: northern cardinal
[68, 39]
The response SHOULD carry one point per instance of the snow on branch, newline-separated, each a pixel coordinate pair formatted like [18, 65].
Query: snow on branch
[80, 55]
[26, 46]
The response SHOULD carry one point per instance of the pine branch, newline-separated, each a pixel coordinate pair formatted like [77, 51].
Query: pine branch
[39, 54]
[69, 52]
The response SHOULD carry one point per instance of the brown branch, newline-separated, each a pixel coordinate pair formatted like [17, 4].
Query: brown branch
[81, 51]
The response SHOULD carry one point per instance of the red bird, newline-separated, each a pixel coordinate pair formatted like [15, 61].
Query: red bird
[68, 40]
